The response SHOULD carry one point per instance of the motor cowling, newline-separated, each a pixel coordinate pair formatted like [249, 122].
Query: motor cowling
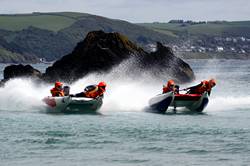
[66, 90]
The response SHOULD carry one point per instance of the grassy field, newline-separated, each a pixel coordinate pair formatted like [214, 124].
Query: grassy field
[8, 57]
[239, 27]
[43, 42]
[49, 21]
[36, 33]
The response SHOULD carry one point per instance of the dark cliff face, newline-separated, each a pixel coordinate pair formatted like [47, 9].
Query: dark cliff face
[100, 52]
[164, 59]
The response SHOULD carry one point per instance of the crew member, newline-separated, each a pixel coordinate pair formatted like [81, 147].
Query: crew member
[170, 86]
[93, 91]
[204, 86]
[57, 90]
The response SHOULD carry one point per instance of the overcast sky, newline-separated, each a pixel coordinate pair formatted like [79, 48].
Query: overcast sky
[138, 10]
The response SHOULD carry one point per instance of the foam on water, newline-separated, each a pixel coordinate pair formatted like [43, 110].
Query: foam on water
[229, 103]
[232, 78]
[22, 94]
[124, 93]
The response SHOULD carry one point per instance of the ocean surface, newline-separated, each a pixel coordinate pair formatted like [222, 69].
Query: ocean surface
[123, 133]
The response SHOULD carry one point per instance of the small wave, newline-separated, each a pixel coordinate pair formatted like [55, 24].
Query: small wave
[151, 149]
[229, 103]
[198, 151]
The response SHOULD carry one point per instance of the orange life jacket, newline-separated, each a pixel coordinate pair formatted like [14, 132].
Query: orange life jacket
[55, 92]
[95, 92]
[166, 89]
[205, 87]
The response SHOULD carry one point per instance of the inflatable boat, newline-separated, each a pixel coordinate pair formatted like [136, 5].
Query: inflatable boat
[161, 102]
[192, 102]
[70, 104]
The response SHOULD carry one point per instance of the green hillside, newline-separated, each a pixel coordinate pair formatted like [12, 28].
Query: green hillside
[49, 21]
[216, 28]
[8, 56]
[214, 39]
[53, 35]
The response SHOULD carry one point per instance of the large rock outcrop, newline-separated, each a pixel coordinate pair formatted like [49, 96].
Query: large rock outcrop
[20, 70]
[164, 62]
[100, 52]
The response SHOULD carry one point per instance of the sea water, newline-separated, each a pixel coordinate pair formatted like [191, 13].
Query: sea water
[123, 133]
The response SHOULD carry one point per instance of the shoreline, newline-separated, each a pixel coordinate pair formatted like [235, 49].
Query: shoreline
[182, 55]
[196, 55]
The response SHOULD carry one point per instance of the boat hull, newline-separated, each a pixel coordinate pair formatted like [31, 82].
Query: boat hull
[193, 102]
[72, 104]
[161, 102]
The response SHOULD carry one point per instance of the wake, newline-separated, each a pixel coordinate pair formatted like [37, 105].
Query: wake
[23, 94]
[224, 103]
[128, 93]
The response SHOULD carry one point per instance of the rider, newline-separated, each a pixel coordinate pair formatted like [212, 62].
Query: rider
[93, 91]
[204, 86]
[57, 90]
[170, 86]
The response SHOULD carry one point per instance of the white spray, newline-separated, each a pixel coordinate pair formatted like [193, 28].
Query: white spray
[22, 94]
[124, 93]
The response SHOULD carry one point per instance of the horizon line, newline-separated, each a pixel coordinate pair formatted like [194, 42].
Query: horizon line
[37, 12]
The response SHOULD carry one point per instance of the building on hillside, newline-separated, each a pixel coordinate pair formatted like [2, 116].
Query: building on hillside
[219, 49]
[235, 40]
[229, 39]
[232, 49]
[243, 39]
[242, 51]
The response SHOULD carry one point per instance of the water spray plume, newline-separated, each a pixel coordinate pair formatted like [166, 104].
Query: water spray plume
[22, 94]
[126, 93]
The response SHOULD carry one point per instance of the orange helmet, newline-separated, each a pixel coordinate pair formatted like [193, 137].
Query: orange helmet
[58, 84]
[212, 82]
[170, 82]
[102, 84]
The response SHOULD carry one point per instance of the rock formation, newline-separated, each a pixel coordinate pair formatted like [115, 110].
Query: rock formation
[164, 58]
[100, 52]
[20, 70]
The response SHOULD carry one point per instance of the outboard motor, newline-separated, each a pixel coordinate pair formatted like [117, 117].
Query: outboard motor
[66, 90]
[177, 89]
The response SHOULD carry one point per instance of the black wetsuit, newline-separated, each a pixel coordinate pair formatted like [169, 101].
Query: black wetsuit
[82, 94]
[191, 90]
[87, 89]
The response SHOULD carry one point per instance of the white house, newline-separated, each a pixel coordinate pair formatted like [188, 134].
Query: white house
[220, 49]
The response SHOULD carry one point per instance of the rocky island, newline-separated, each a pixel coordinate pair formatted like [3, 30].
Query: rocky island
[100, 52]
